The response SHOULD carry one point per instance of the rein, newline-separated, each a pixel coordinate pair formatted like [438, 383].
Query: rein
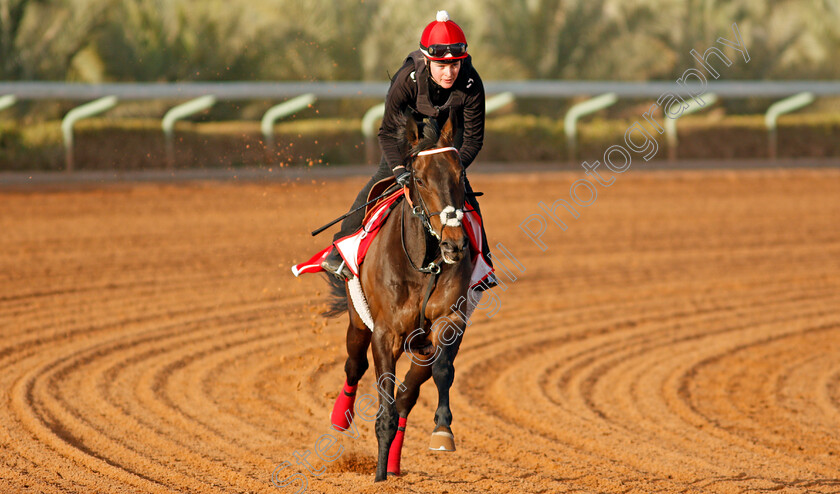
[433, 268]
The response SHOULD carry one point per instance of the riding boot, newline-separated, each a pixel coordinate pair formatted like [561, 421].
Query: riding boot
[490, 281]
[336, 266]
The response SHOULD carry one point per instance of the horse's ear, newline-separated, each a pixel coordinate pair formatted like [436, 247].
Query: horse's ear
[411, 132]
[448, 132]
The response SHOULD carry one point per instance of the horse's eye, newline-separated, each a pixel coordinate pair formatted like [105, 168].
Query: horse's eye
[420, 182]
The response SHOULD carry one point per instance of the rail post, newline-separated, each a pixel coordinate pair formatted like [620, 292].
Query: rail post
[786, 105]
[369, 129]
[179, 112]
[81, 112]
[583, 108]
[277, 112]
[7, 100]
[671, 123]
[498, 102]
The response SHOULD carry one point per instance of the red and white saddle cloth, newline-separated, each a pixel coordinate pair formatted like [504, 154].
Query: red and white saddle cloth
[354, 247]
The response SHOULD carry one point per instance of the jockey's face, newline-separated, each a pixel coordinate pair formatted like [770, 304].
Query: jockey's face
[444, 74]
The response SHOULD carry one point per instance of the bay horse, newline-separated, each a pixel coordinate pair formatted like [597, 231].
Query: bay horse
[416, 271]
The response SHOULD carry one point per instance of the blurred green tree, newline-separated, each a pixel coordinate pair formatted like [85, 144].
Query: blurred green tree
[169, 40]
[158, 40]
[572, 39]
[786, 39]
[39, 39]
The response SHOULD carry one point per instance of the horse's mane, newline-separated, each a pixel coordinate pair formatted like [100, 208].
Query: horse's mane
[430, 133]
[337, 300]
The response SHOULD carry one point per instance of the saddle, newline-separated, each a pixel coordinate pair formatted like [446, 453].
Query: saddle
[375, 191]
[354, 247]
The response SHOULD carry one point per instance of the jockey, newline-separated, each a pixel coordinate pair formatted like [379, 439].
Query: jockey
[433, 81]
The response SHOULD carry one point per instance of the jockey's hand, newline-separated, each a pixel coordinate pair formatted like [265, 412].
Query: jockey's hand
[403, 176]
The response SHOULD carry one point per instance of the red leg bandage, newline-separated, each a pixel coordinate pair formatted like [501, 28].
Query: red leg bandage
[396, 449]
[342, 413]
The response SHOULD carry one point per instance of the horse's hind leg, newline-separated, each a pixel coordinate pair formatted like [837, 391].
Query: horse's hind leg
[355, 366]
[406, 399]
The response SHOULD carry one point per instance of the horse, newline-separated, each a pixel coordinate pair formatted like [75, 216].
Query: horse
[416, 271]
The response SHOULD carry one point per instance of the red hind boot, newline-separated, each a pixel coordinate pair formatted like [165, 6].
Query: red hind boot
[342, 413]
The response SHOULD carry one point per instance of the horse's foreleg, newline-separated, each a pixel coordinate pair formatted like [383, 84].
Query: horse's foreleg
[443, 371]
[358, 341]
[406, 399]
[386, 422]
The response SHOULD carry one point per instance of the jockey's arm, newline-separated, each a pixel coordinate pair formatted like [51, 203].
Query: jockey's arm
[396, 102]
[473, 122]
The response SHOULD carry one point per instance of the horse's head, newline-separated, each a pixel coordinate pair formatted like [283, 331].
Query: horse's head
[437, 187]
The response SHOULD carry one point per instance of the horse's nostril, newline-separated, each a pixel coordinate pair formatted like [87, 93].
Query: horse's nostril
[451, 252]
[450, 247]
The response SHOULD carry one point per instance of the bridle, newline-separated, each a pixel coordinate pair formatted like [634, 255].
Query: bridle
[448, 217]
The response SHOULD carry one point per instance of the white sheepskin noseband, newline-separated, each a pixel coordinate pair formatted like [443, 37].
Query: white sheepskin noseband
[448, 219]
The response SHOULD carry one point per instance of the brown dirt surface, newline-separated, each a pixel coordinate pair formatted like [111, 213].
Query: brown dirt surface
[683, 335]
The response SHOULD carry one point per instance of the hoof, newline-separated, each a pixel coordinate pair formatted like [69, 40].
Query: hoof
[442, 440]
[392, 474]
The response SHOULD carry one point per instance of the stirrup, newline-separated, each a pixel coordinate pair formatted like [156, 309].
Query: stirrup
[342, 271]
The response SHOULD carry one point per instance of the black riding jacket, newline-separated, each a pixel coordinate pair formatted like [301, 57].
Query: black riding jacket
[413, 88]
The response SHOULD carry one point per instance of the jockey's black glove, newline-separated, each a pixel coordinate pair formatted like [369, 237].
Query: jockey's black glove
[403, 176]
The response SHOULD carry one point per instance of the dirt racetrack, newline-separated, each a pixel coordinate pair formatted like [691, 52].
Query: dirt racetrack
[683, 335]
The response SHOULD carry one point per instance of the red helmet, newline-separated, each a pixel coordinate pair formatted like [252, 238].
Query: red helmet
[443, 40]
